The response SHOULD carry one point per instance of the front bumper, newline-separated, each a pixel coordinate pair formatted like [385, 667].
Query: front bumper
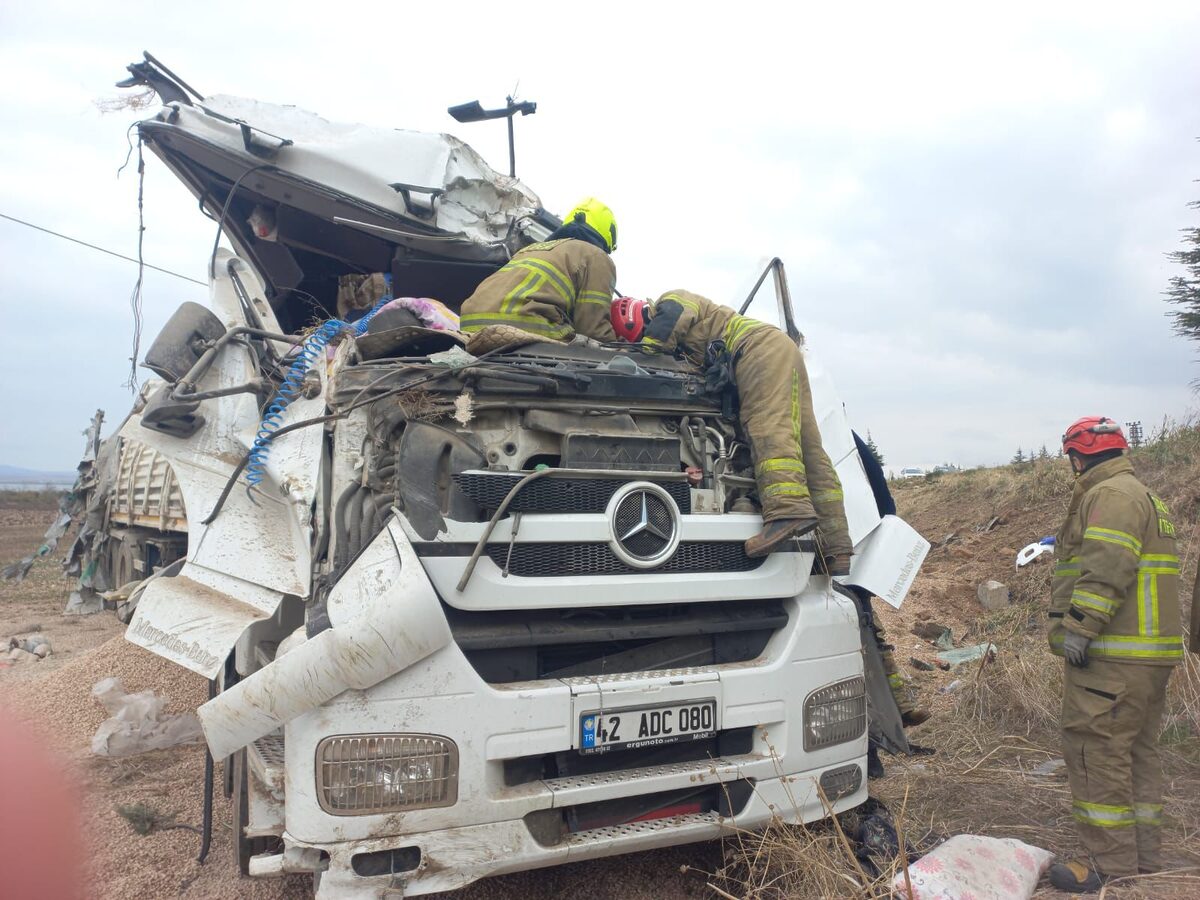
[454, 857]
[486, 832]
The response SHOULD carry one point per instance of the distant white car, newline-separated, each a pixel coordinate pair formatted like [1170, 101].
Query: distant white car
[912, 472]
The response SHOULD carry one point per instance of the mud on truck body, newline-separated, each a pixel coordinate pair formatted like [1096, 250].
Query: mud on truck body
[478, 614]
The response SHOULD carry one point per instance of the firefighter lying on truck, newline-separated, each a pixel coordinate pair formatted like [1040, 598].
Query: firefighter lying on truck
[797, 484]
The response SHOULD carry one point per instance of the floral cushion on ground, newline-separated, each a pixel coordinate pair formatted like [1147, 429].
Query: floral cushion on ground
[975, 867]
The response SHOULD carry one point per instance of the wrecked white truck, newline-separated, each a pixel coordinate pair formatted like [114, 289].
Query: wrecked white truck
[436, 653]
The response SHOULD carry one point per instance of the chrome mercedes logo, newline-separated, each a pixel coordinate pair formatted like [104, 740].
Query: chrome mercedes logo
[645, 525]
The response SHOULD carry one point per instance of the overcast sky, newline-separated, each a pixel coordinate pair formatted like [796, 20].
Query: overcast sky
[974, 207]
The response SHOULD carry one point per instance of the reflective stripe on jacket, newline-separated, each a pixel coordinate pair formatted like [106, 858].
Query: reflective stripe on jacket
[1117, 576]
[553, 289]
[691, 322]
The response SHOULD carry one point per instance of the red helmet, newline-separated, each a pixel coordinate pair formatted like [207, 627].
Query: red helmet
[1094, 434]
[629, 318]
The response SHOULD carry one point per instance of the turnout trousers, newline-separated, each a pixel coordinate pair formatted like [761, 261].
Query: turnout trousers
[796, 479]
[1111, 714]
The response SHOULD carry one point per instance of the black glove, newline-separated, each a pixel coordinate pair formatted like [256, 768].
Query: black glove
[718, 367]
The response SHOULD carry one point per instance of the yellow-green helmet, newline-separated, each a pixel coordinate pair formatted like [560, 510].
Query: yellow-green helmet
[598, 217]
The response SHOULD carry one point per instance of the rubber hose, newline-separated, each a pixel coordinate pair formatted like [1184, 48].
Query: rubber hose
[366, 519]
[341, 530]
[354, 524]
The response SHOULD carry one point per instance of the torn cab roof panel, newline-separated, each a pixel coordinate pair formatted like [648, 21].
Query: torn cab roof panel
[306, 200]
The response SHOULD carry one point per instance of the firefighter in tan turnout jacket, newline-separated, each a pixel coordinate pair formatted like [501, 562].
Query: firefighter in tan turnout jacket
[797, 485]
[556, 288]
[1115, 617]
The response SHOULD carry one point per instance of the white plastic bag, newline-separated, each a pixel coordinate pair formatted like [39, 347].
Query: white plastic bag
[137, 722]
[974, 867]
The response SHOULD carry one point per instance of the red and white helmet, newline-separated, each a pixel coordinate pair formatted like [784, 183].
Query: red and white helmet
[629, 318]
[1094, 434]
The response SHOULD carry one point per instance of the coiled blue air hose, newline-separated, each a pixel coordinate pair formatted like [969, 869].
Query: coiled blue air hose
[310, 351]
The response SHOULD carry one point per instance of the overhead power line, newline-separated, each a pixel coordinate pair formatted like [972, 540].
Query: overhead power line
[67, 237]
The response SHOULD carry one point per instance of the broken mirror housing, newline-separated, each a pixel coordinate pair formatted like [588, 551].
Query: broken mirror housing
[166, 414]
[183, 341]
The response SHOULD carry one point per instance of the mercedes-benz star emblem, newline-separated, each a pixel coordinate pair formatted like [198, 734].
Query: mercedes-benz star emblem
[645, 525]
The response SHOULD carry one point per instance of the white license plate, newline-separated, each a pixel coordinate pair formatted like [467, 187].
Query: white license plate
[647, 726]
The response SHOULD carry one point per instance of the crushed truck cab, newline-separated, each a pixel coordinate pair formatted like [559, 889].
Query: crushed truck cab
[475, 615]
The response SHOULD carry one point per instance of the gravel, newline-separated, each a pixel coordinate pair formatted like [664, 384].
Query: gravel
[122, 863]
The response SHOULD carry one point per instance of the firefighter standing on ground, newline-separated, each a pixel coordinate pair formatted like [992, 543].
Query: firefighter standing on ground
[556, 288]
[797, 485]
[1115, 617]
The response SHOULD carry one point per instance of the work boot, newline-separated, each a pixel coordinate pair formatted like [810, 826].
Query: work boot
[775, 533]
[1076, 877]
[837, 565]
[914, 717]
[874, 763]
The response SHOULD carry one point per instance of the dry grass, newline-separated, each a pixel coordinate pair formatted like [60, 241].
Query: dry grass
[1002, 723]
[1001, 727]
[790, 861]
[37, 498]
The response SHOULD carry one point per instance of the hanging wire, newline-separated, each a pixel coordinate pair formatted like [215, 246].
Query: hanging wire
[135, 297]
[67, 237]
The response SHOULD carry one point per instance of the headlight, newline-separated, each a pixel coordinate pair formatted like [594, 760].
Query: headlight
[379, 773]
[835, 714]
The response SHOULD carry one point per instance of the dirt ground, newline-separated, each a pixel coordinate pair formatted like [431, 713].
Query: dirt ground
[993, 724]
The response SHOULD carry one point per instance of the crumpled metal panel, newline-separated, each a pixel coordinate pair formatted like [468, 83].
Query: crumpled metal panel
[264, 539]
[196, 618]
[386, 616]
[361, 161]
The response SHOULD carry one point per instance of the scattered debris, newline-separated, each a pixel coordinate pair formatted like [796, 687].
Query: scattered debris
[962, 655]
[1031, 552]
[70, 505]
[952, 536]
[137, 722]
[454, 358]
[951, 687]
[992, 595]
[975, 865]
[991, 524]
[876, 843]
[125, 599]
[24, 649]
[38, 646]
[83, 602]
[144, 818]
[930, 631]
[17, 571]
[463, 408]
[1050, 767]
[920, 665]
[945, 641]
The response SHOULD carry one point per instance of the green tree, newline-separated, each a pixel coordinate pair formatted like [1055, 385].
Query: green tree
[1018, 458]
[874, 448]
[1184, 290]
[1043, 453]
